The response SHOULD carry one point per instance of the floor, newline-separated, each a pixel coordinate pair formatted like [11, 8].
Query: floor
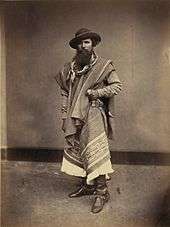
[35, 194]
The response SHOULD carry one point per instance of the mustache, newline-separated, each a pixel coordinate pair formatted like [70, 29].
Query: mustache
[84, 52]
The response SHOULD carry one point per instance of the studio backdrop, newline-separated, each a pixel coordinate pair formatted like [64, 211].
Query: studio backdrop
[135, 35]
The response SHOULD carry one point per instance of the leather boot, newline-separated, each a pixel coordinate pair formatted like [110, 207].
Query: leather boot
[101, 195]
[83, 190]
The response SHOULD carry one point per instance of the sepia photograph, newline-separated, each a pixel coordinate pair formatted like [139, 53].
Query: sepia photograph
[85, 113]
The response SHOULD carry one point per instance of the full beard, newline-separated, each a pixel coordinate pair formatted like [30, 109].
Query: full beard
[83, 57]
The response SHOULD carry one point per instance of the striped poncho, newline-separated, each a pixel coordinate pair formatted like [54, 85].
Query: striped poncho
[89, 124]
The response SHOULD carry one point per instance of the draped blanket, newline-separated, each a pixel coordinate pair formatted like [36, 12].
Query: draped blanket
[94, 142]
[87, 147]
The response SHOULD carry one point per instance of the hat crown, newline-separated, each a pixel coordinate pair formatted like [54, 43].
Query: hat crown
[82, 31]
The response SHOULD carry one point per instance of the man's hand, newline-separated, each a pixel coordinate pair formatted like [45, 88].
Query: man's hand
[92, 94]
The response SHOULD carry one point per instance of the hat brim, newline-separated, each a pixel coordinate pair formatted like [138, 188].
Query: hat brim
[90, 35]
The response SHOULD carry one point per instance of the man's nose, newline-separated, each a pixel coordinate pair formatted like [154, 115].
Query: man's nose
[83, 45]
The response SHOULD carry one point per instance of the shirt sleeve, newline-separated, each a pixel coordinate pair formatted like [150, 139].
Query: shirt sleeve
[113, 86]
[64, 93]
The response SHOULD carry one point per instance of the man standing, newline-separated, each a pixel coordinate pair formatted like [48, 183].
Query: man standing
[88, 85]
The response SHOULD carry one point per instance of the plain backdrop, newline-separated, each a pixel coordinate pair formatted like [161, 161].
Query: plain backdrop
[135, 35]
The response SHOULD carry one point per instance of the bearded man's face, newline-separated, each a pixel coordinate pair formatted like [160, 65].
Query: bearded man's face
[84, 52]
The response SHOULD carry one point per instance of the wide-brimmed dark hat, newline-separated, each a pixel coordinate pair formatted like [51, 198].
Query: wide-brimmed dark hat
[84, 33]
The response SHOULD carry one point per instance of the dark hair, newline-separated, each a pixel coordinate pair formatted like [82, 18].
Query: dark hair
[94, 42]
